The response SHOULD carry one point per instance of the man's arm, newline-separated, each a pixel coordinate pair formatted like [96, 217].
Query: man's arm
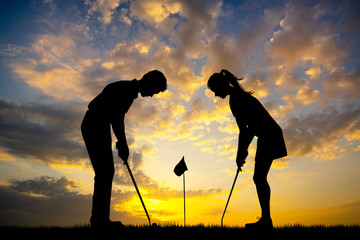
[118, 127]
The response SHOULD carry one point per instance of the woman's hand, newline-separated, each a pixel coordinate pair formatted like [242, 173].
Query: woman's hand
[240, 159]
[123, 151]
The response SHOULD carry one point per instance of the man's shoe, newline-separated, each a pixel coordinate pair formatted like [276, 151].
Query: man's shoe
[263, 223]
[106, 224]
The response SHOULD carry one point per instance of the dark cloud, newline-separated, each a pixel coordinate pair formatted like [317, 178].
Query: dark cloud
[122, 176]
[306, 134]
[54, 201]
[45, 201]
[48, 133]
[44, 186]
[343, 84]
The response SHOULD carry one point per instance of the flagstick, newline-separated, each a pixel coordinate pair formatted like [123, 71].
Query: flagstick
[184, 199]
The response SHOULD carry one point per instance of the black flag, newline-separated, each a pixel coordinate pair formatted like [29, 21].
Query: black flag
[180, 168]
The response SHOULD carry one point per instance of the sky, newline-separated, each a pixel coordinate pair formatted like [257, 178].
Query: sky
[301, 58]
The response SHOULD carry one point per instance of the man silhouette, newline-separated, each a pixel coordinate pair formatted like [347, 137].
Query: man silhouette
[109, 108]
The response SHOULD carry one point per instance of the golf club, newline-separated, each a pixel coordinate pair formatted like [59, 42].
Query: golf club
[222, 218]
[137, 190]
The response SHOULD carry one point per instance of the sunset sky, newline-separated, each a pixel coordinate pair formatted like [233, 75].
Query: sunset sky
[301, 58]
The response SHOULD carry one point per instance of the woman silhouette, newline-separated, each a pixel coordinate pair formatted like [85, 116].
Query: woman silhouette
[252, 120]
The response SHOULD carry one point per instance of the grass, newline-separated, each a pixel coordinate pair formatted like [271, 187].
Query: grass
[174, 230]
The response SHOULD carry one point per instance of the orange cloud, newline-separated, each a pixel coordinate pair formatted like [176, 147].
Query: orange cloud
[307, 95]
[104, 7]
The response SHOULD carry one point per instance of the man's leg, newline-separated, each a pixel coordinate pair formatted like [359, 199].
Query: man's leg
[97, 139]
[104, 174]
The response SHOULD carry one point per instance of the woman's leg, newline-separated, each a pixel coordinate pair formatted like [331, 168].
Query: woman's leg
[262, 167]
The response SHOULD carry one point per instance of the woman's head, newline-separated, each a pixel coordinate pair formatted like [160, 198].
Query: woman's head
[152, 83]
[218, 85]
[222, 83]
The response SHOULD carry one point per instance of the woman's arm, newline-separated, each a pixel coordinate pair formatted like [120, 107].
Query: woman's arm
[246, 135]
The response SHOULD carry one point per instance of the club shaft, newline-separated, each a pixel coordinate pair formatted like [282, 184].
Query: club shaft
[222, 218]
[184, 199]
[138, 192]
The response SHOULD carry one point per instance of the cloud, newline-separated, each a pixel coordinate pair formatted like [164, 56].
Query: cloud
[303, 36]
[46, 187]
[10, 50]
[306, 135]
[202, 113]
[151, 118]
[189, 35]
[135, 162]
[307, 60]
[70, 64]
[146, 52]
[52, 65]
[105, 8]
[241, 51]
[307, 43]
[342, 84]
[68, 68]
[48, 133]
[158, 10]
[44, 200]
[307, 95]
[154, 11]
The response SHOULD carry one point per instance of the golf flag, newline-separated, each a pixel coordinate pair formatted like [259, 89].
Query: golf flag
[180, 168]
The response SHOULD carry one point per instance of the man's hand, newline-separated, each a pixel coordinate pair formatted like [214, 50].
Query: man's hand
[123, 151]
[240, 159]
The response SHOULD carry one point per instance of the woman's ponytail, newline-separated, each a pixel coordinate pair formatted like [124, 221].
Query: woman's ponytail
[225, 78]
[232, 79]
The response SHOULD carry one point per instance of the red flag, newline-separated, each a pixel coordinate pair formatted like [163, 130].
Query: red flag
[180, 168]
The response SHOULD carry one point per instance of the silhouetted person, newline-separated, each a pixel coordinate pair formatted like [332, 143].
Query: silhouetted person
[252, 120]
[109, 108]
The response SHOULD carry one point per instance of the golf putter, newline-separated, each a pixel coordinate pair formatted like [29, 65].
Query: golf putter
[222, 218]
[137, 190]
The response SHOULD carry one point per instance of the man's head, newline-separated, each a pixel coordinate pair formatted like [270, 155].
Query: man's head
[152, 83]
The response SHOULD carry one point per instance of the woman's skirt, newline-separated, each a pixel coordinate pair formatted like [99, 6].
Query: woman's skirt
[271, 146]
